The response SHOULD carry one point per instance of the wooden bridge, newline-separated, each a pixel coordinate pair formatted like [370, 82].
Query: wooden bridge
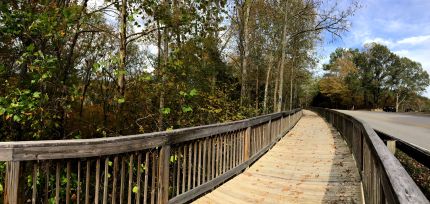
[258, 160]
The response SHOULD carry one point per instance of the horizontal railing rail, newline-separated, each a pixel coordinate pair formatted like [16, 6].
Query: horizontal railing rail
[417, 153]
[383, 177]
[163, 167]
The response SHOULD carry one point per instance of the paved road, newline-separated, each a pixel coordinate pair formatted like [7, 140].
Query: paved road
[412, 128]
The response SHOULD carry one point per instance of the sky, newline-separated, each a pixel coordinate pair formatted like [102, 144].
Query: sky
[402, 25]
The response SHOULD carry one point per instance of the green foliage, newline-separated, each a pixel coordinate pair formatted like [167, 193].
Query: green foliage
[372, 78]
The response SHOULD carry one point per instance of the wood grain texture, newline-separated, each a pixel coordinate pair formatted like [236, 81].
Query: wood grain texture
[308, 165]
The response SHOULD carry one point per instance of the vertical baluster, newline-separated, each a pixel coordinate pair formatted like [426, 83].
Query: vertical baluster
[145, 184]
[194, 163]
[234, 148]
[178, 171]
[226, 153]
[184, 169]
[130, 179]
[190, 146]
[199, 160]
[205, 141]
[97, 187]
[57, 183]
[213, 147]
[153, 175]
[68, 183]
[47, 183]
[106, 180]
[78, 188]
[87, 183]
[122, 178]
[218, 147]
[114, 179]
[139, 166]
[35, 172]
[209, 145]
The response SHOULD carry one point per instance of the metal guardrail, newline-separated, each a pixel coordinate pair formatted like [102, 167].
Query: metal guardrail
[383, 177]
[163, 167]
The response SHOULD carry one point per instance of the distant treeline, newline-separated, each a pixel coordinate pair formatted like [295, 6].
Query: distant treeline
[372, 78]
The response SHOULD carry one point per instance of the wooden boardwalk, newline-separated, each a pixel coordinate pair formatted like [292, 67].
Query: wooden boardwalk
[311, 164]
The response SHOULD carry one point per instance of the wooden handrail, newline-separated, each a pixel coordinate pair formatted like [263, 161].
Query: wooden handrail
[384, 179]
[162, 167]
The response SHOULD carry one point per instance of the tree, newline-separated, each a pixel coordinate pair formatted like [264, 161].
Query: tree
[406, 78]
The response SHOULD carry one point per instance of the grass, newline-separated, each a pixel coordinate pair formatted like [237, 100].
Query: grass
[419, 173]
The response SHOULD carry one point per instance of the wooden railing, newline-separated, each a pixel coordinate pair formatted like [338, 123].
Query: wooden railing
[163, 167]
[383, 177]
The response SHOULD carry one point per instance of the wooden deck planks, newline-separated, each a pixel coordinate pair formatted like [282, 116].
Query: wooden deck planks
[311, 164]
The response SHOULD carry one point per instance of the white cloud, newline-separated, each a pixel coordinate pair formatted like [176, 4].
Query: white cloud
[415, 40]
[382, 41]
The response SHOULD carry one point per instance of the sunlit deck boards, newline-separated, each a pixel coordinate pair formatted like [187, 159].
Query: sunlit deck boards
[311, 164]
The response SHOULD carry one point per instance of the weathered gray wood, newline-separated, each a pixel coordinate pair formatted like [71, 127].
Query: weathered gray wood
[204, 160]
[34, 183]
[163, 174]
[190, 146]
[122, 180]
[247, 144]
[97, 186]
[68, 182]
[61, 149]
[194, 163]
[145, 184]
[130, 178]
[78, 188]
[47, 166]
[114, 179]
[221, 150]
[184, 169]
[57, 183]
[138, 179]
[153, 176]
[12, 182]
[199, 161]
[391, 144]
[87, 183]
[106, 180]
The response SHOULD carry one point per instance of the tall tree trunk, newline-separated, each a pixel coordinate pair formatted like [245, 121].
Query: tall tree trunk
[122, 48]
[397, 102]
[163, 55]
[282, 63]
[291, 86]
[256, 91]
[245, 53]
[266, 85]
[275, 95]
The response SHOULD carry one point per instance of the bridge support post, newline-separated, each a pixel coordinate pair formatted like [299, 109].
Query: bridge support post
[12, 182]
[391, 144]
[163, 175]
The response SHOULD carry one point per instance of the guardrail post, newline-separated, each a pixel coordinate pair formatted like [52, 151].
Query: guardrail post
[391, 144]
[12, 182]
[247, 144]
[163, 174]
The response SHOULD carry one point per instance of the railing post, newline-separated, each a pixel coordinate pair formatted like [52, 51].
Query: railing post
[12, 182]
[247, 144]
[163, 175]
[391, 144]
